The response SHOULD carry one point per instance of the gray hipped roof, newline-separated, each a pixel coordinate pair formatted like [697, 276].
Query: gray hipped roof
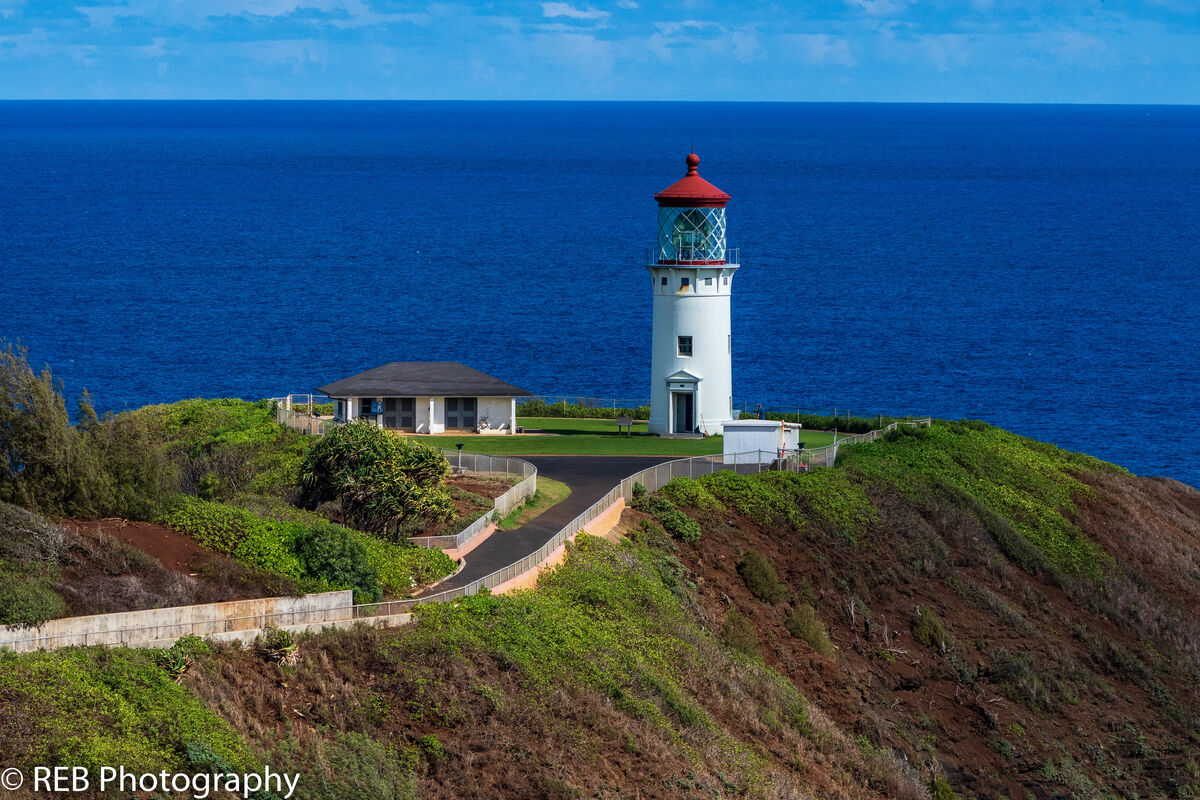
[422, 379]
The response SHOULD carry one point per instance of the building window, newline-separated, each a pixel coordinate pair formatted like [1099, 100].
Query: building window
[708, 281]
[685, 283]
[685, 345]
[364, 408]
[664, 281]
[341, 409]
[726, 280]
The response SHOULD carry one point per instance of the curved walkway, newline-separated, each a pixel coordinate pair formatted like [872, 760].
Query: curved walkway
[590, 478]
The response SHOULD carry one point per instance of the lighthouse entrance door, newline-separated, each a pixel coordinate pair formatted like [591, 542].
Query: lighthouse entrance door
[684, 407]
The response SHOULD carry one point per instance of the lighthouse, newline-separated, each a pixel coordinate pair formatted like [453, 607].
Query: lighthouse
[692, 344]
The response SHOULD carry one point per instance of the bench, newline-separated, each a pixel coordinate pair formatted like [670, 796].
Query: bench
[625, 422]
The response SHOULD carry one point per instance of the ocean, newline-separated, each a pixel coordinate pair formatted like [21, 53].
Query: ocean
[1032, 266]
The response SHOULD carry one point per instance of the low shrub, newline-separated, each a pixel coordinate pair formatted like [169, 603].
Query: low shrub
[540, 408]
[320, 555]
[803, 623]
[928, 629]
[738, 633]
[691, 492]
[760, 577]
[28, 599]
[824, 422]
[793, 499]
[329, 551]
[679, 525]
[673, 521]
[32, 550]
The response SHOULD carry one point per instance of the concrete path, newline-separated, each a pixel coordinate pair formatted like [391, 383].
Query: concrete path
[590, 478]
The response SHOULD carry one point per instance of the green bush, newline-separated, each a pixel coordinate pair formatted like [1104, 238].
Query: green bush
[330, 552]
[317, 553]
[540, 408]
[929, 630]
[690, 492]
[673, 521]
[28, 599]
[31, 553]
[738, 633]
[822, 422]
[679, 525]
[803, 623]
[760, 577]
[381, 480]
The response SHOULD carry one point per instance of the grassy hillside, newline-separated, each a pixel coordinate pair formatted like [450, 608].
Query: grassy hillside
[955, 613]
[598, 683]
[1017, 618]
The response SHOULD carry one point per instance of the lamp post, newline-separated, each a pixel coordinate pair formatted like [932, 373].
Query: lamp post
[459, 445]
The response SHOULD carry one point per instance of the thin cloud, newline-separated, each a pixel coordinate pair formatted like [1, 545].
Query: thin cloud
[879, 8]
[568, 10]
[819, 49]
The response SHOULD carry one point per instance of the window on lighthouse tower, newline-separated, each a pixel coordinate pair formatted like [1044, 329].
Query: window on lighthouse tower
[690, 237]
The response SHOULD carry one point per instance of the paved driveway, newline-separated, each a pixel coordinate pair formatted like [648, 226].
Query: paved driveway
[590, 478]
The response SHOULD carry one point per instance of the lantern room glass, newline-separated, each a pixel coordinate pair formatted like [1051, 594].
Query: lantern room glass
[691, 234]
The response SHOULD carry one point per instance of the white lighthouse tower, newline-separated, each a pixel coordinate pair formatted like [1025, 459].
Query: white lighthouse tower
[691, 373]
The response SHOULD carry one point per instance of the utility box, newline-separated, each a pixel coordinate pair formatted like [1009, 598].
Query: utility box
[759, 441]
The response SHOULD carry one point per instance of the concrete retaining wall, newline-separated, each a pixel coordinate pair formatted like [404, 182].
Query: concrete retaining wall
[151, 627]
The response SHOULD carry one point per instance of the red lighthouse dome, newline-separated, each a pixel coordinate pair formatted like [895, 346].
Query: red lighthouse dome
[692, 191]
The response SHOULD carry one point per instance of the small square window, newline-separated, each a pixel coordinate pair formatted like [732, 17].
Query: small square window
[664, 281]
[726, 280]
[685, 283]
[685, 345]
[708, 281]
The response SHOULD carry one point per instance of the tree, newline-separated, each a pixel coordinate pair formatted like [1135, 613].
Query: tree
[46, 463]
[381, 480]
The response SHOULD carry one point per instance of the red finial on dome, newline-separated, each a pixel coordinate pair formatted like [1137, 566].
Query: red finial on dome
[692, 191]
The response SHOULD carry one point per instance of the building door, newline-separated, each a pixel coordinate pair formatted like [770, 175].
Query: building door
[460, 412]
[684, 404]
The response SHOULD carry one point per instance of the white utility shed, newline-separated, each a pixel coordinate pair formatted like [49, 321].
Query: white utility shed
[759, 441]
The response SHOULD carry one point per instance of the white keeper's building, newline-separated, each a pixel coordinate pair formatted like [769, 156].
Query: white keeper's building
[427, 397]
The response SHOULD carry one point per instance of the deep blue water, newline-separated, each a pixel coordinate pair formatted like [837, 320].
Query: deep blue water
[1034, 266]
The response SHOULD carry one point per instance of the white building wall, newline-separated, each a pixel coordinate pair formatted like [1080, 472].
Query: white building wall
[430, 412]
[497, 410]
[753, 441]
[702, 311]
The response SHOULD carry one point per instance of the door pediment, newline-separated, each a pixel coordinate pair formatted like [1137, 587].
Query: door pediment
[683, 376]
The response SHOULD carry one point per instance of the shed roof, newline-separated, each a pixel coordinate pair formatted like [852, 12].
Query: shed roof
[422, 379]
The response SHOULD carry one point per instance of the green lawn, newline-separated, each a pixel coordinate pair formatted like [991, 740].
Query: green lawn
[549, 493]
[593, 437]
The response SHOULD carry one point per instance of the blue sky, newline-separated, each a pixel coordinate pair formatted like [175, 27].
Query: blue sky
[873, 50]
